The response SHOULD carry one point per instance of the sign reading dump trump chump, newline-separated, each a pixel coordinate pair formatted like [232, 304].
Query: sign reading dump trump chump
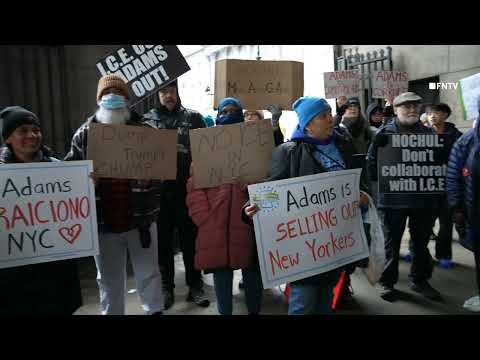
[133, 152]
[145, 68]
[239, 153]
[307, 226]
[47, 213]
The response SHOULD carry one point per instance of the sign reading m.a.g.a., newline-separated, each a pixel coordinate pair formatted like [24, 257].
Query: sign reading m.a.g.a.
[145, 68]
[308, 225]
[47, 213]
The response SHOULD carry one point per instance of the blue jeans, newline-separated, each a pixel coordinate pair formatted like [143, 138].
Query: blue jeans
[223, 280]
[310, 300]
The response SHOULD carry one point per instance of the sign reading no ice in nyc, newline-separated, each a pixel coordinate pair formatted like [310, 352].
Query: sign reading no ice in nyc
[145, 68]
[47, 213]
[308, 225]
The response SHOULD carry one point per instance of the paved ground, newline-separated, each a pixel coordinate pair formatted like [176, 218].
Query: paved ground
[456, 285]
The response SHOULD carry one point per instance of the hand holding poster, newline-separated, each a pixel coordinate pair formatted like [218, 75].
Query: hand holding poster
[307, 226]
[47, 213]
[342, 83]
[411, 168]
[145, 68]
[133, 152]
[389, 84]
[239, 153]
[469, 95]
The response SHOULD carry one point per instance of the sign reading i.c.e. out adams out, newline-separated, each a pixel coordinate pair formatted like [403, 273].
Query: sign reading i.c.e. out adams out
[307, 226]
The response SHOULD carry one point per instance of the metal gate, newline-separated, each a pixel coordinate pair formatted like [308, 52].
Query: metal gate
[365, 63]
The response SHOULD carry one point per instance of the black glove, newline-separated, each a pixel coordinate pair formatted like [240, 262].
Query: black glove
[277, 112]
[145, 237]
[380, 140]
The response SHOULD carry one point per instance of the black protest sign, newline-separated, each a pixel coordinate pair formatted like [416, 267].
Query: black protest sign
[145, 68]
[412, 166]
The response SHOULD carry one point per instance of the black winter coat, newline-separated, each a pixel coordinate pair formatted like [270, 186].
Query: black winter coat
[49, 289]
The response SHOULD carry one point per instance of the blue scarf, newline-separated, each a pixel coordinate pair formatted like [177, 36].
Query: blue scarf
[233, 118]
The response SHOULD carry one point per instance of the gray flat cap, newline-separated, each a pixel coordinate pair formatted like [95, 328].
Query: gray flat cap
[406, 97]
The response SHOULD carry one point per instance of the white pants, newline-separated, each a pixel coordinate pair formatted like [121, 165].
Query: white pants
[112, 271]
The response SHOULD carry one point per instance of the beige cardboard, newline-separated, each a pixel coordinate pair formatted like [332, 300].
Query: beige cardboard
[341, 83]
[133, 152]
[258, 84]
[229, 154]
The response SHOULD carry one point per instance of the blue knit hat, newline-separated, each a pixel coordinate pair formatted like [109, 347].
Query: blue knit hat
[229, 101]
[307, 108]
[233, 118]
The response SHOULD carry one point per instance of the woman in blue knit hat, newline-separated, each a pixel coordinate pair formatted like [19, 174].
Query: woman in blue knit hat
[316, 147]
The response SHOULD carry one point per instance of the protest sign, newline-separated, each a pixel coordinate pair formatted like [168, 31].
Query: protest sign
[232, 153]
[308, 225]
[133, 152]
[469, 92]
[342, 83]
[389, 84]
[145, 68]
[258, 84]
[412, 167]
[47, 213]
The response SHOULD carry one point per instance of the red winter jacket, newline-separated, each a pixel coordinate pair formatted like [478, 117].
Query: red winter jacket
[224, 240]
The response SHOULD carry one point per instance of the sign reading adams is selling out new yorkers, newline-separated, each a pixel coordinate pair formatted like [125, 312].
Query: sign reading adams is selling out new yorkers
[308, 225]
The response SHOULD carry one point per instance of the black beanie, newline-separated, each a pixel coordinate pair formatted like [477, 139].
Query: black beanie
[15, 116]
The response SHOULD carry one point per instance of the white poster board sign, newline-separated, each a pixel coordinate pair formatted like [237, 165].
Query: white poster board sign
[469, 94]
[342, 83]
[308, 225]
[47, 213]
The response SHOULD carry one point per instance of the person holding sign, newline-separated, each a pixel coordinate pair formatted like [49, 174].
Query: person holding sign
[224, 242]
[127, 210]
[419, 211]
[463, 179]
[173, 211]
[48, 289]
[450, 134]
[316, 147]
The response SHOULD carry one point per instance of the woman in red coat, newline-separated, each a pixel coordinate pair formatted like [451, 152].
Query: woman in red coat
[224, 243]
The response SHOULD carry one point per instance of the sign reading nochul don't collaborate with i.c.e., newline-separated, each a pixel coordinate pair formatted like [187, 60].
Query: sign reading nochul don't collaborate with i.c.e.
[308, 226]
[412, 168]
[133, 152]
[145, 68]
[47, 213]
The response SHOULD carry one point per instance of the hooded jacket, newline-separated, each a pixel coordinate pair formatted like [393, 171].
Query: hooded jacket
[370, 109]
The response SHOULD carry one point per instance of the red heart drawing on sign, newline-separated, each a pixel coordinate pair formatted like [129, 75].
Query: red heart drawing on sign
[70, 234]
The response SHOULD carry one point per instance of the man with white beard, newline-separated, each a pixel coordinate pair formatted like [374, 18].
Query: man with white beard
[419, 213]
[126, 211]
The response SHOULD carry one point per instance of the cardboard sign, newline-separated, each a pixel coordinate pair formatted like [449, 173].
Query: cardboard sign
[133, 152]
[307, 226]
[47, 213]
[389, 84]
[258, 84]
[469, 92]
[411, 167]
[145, 68]
[342, 83]
[229, 154]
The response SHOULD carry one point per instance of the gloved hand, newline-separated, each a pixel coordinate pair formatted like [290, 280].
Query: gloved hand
[145, 238]
[277, 112]
[380, 140]
[459, 217]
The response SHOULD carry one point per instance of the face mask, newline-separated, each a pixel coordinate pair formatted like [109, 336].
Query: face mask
[112, 102]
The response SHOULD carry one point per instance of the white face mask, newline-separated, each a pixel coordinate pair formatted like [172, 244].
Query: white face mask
[113, 117]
